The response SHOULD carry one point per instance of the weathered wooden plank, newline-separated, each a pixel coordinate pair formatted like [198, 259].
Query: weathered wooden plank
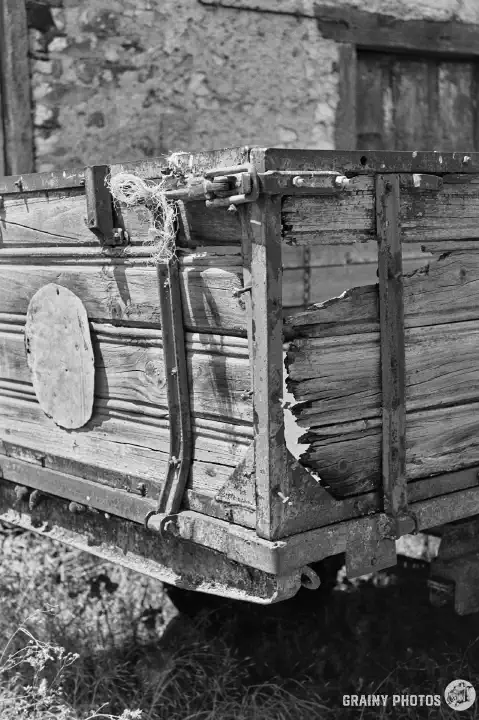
[114, 292]
[391, 323]
[380, 31]
[370, 93]
[129, 367]
[347, 457]
[339, 377]
[450, 214]
[16, 93]
[456, 108]
[118, 444]
[443, 291]
[414, 105]
[329, 282]
[345, 126]
[270, 450]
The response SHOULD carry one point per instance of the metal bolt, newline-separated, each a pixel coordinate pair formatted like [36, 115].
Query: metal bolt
[19, 184]
[342, 181]
[299, 181]
[34, 499]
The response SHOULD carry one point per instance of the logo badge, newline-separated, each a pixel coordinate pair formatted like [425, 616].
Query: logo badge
[460, 695]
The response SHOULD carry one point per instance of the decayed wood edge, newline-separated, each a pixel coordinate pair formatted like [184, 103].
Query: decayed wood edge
[393, 355]
[16, 88]
[126, 543]
[264, 233]
[345, 127]
[378, 31]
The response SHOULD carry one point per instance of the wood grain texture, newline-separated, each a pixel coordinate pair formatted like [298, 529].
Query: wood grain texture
[331, 281]
[59, 355]
[443, 291]
[270, 449]
[16, 91]
[54, 217]
[129, 368]
[380, 31]
[336, 403]
[115, 292]
[450, 214]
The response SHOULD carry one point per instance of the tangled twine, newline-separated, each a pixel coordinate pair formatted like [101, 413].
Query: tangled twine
[133, 191]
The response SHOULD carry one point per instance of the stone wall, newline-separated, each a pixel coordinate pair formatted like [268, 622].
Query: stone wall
[118, 80]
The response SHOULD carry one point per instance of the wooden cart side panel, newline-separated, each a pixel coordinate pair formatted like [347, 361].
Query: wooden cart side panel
[429, 218]
[441, 378]
[44, 239]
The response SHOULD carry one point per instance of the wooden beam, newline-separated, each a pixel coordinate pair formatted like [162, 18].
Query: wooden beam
[267, 362]
[393, 362]
[345, 129]
[377, 31]
[16, 108]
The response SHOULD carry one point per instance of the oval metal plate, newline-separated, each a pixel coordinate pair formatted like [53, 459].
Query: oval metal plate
[60, 355]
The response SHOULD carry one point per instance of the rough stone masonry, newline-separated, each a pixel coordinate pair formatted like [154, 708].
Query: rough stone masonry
[127, 79]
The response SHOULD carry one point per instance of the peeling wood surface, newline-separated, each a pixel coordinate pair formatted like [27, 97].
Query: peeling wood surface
[59, 355]
[444, 291]
[451, 214]
[336, 378]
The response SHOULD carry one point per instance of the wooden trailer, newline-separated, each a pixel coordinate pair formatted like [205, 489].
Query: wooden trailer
[143, 405]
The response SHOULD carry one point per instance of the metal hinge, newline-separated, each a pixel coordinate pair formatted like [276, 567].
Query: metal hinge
[101, 215]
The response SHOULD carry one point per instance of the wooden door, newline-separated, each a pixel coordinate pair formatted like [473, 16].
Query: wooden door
[416, 103]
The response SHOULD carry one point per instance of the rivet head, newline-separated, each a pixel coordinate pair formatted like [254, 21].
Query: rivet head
[299, 181]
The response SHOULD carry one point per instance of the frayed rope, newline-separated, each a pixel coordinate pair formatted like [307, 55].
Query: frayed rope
[161, 214]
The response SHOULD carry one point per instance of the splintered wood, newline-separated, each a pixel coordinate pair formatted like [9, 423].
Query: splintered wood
[335, 376]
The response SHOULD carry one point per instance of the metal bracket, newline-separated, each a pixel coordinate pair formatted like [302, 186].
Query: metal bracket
[100, 209]
[176, 375]
[241, 186]
[294, 182]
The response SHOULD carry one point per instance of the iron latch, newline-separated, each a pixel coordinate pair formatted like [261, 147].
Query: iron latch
[101, 214]
[221, 187]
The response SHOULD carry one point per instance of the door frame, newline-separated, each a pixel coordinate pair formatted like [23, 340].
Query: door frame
[16, 109]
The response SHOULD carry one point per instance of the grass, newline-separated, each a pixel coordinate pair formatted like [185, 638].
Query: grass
[83, 639]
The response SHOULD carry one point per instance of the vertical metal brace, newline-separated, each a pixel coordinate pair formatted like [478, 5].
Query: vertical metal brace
[176, 375]
[100, 210]
[378, 550]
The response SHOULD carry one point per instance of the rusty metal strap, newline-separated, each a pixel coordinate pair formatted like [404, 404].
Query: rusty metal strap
[176, 376]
